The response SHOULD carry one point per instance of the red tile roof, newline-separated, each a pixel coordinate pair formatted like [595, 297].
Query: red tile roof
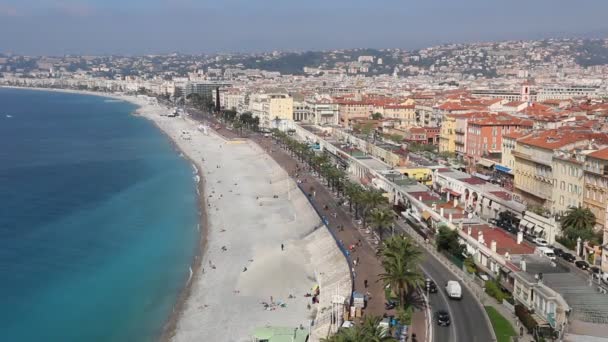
[515, 134]
[514, 103]
[599, 154]
[501, 119]
[504, 241]
[556, 138]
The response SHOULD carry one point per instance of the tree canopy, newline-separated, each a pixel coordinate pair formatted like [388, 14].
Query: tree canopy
[447, 240]
[578, 222]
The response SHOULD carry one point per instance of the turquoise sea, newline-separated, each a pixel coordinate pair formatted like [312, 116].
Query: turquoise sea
[98, 220]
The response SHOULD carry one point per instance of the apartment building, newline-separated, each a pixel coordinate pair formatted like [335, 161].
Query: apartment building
[568, 181]
[447, 135]
[404, 113]
[534, 175]
[231, 98]
[596, 194]
[509, 141]
[350, 109]
[461, 130]
[205, 89]
[273, 109]
[484, 135]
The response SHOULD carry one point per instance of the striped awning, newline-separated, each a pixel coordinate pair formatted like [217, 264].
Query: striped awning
[486, 163]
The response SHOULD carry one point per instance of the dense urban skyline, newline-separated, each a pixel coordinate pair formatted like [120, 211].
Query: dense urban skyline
[162, 26]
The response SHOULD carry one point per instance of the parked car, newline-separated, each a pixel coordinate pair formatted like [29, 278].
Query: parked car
[568, 257]
[558, 252]
[548, 252]
[541, 242]
[595, 271]
[443, 318]
[583, 265]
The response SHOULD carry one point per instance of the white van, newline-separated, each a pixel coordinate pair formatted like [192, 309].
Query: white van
[453, 289]
[548, 252]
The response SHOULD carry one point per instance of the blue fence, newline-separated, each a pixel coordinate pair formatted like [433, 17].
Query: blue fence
[343, 249]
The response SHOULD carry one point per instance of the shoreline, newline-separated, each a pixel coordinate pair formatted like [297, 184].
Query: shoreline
[168, 328]
[311, 257]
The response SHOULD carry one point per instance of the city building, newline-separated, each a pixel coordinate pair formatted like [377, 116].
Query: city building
[275, 109]
[533, 155]
[596, 194]
[484, 135]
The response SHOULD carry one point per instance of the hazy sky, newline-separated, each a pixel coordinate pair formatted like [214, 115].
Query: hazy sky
[193, 26]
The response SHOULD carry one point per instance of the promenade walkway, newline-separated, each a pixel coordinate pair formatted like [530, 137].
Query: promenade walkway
[368, 264]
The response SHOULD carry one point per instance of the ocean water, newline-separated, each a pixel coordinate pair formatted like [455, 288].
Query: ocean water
[98, 220]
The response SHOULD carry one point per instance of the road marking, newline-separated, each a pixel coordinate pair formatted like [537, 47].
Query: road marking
[452, 327]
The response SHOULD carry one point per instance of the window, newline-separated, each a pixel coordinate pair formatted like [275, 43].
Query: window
[562, 185]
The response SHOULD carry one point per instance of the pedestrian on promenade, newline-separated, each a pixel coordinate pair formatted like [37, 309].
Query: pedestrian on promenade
[282, 247]
[365, 283]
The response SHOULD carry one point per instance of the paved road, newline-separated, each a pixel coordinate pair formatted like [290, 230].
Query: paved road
[468, 319]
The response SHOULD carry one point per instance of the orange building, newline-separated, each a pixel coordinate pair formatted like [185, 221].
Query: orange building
[484, 135]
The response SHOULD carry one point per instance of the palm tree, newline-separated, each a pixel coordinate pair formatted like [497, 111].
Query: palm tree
[400, 258]
[380, 219]
[372, 199]
[352, 190]
[340, 180]
[368, 331]
[318, 161]
[578, 222]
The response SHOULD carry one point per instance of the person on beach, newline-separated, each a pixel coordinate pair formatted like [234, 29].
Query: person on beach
[282, 247]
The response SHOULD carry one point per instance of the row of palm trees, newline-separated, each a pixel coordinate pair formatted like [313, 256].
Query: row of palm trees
[370, 205]
[400, 256]
[240, 121]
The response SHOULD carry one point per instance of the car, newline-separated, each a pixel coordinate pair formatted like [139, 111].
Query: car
[595, 271]
[430, 285]
[583, 265]
[558, 252]
[442, 318]
[453, 289]
[568, 257]
[541, 242]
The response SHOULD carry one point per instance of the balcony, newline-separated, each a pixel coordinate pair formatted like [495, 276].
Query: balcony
[602, 170]
[459, 131]
[528, 157]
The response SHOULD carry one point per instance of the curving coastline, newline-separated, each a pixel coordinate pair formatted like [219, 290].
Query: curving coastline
[311, 257]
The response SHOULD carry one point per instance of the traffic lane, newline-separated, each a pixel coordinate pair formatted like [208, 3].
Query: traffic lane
[439, 302]
[468, 319]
